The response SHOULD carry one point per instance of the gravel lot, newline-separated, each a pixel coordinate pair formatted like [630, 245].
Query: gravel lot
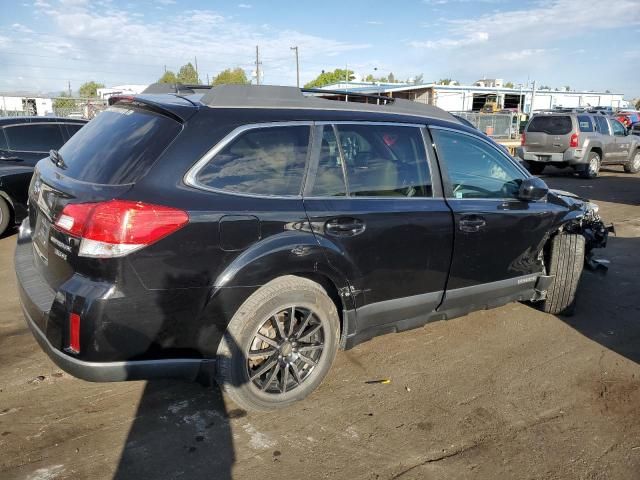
[504, 393]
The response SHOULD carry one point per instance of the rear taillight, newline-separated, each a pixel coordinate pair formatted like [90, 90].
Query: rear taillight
[118, 227]
[573, 141]
[523, 138]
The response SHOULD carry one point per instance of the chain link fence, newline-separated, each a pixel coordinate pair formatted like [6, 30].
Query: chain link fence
[69, 107]
[495, 125]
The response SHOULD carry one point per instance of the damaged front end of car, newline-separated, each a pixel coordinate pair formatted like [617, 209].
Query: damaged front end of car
[586, 221]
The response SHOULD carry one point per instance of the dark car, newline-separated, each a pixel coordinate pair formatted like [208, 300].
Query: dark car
[252, 231]
[24, 141]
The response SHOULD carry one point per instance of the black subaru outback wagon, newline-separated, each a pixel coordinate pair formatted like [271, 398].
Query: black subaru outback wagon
[259, 229]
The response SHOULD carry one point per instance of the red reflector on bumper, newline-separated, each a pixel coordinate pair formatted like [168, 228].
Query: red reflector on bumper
[74, 333]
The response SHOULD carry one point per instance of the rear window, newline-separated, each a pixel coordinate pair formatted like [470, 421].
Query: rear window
[34, 137]
[550, 124]
[118, 146]
[261, 161]
[585, 123]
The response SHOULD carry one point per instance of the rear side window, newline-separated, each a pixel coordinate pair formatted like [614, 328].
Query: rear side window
[261, 161]
[118, 146]
[585, 123]
[550, 124]
[34, 138]
[384, 161]
[601, 124]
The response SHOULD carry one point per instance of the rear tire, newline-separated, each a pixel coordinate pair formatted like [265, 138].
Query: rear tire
[566, 261]
[5, 215]
[592, 168]
[535, 168]
[300, 366]
[633, 166]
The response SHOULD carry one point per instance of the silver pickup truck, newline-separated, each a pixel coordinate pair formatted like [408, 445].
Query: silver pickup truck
[583, 141]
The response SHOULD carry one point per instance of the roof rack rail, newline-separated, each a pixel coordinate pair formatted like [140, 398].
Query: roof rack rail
[188, 88]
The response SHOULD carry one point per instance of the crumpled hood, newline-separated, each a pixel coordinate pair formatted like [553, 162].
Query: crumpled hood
[567, 199]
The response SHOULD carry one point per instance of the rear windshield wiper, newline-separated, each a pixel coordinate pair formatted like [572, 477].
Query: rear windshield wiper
[57, 159]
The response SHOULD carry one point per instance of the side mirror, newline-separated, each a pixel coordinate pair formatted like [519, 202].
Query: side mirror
[532, 188]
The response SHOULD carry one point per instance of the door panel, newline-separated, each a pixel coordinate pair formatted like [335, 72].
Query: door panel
[384, 220]
[497, 236]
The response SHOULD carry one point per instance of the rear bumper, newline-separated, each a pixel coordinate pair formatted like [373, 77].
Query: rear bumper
[38, 301]
[571, 156]
[119, 371]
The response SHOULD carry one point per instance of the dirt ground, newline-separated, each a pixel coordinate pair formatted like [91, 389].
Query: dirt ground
[505, 393]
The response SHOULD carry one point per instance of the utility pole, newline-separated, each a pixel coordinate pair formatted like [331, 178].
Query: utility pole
[257, 66]
[297, 67]
[69, 86]
[533, 97]
[197, 76]
[207, 79]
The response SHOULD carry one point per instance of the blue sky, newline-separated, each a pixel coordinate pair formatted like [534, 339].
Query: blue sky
[586, 44]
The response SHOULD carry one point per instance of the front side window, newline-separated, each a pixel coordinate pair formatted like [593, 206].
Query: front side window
[34, 138]
[618, 128]
[384, 161]
[260, 161]
[476, 169]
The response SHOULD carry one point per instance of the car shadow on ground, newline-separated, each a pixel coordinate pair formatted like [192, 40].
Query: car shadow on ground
[181, 430]
[607, 309]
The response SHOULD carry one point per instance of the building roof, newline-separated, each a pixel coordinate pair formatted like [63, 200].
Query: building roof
[363, 87]
[278, 97]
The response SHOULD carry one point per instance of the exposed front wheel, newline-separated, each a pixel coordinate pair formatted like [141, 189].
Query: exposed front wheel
[535, 167]
[5, 215]
[633, 166]
[565, 263]
[279, 345]
[592, 168]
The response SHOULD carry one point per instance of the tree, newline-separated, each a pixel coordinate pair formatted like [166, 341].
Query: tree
[231, 76]
[567, 88]
[508, 85]
[638, 104]
[418, 79]
[446, 81]
[188, 75]
[168, 77]
[327, 78]
[90, 89]
[370, 78]
[545, 87]
[391, 78]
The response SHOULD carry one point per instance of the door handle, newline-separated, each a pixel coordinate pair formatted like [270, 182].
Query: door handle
[344, 226]
[471, 224]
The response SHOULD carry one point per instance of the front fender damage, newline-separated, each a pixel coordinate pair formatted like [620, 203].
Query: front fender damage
[595, 232]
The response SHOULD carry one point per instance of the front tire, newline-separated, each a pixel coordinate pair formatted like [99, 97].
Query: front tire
[5, 215]
[592, 168]
[566, 261]
[279, 345]
[633, 166]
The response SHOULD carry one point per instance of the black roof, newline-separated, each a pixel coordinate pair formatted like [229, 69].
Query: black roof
[278, 97]
[16, 120]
